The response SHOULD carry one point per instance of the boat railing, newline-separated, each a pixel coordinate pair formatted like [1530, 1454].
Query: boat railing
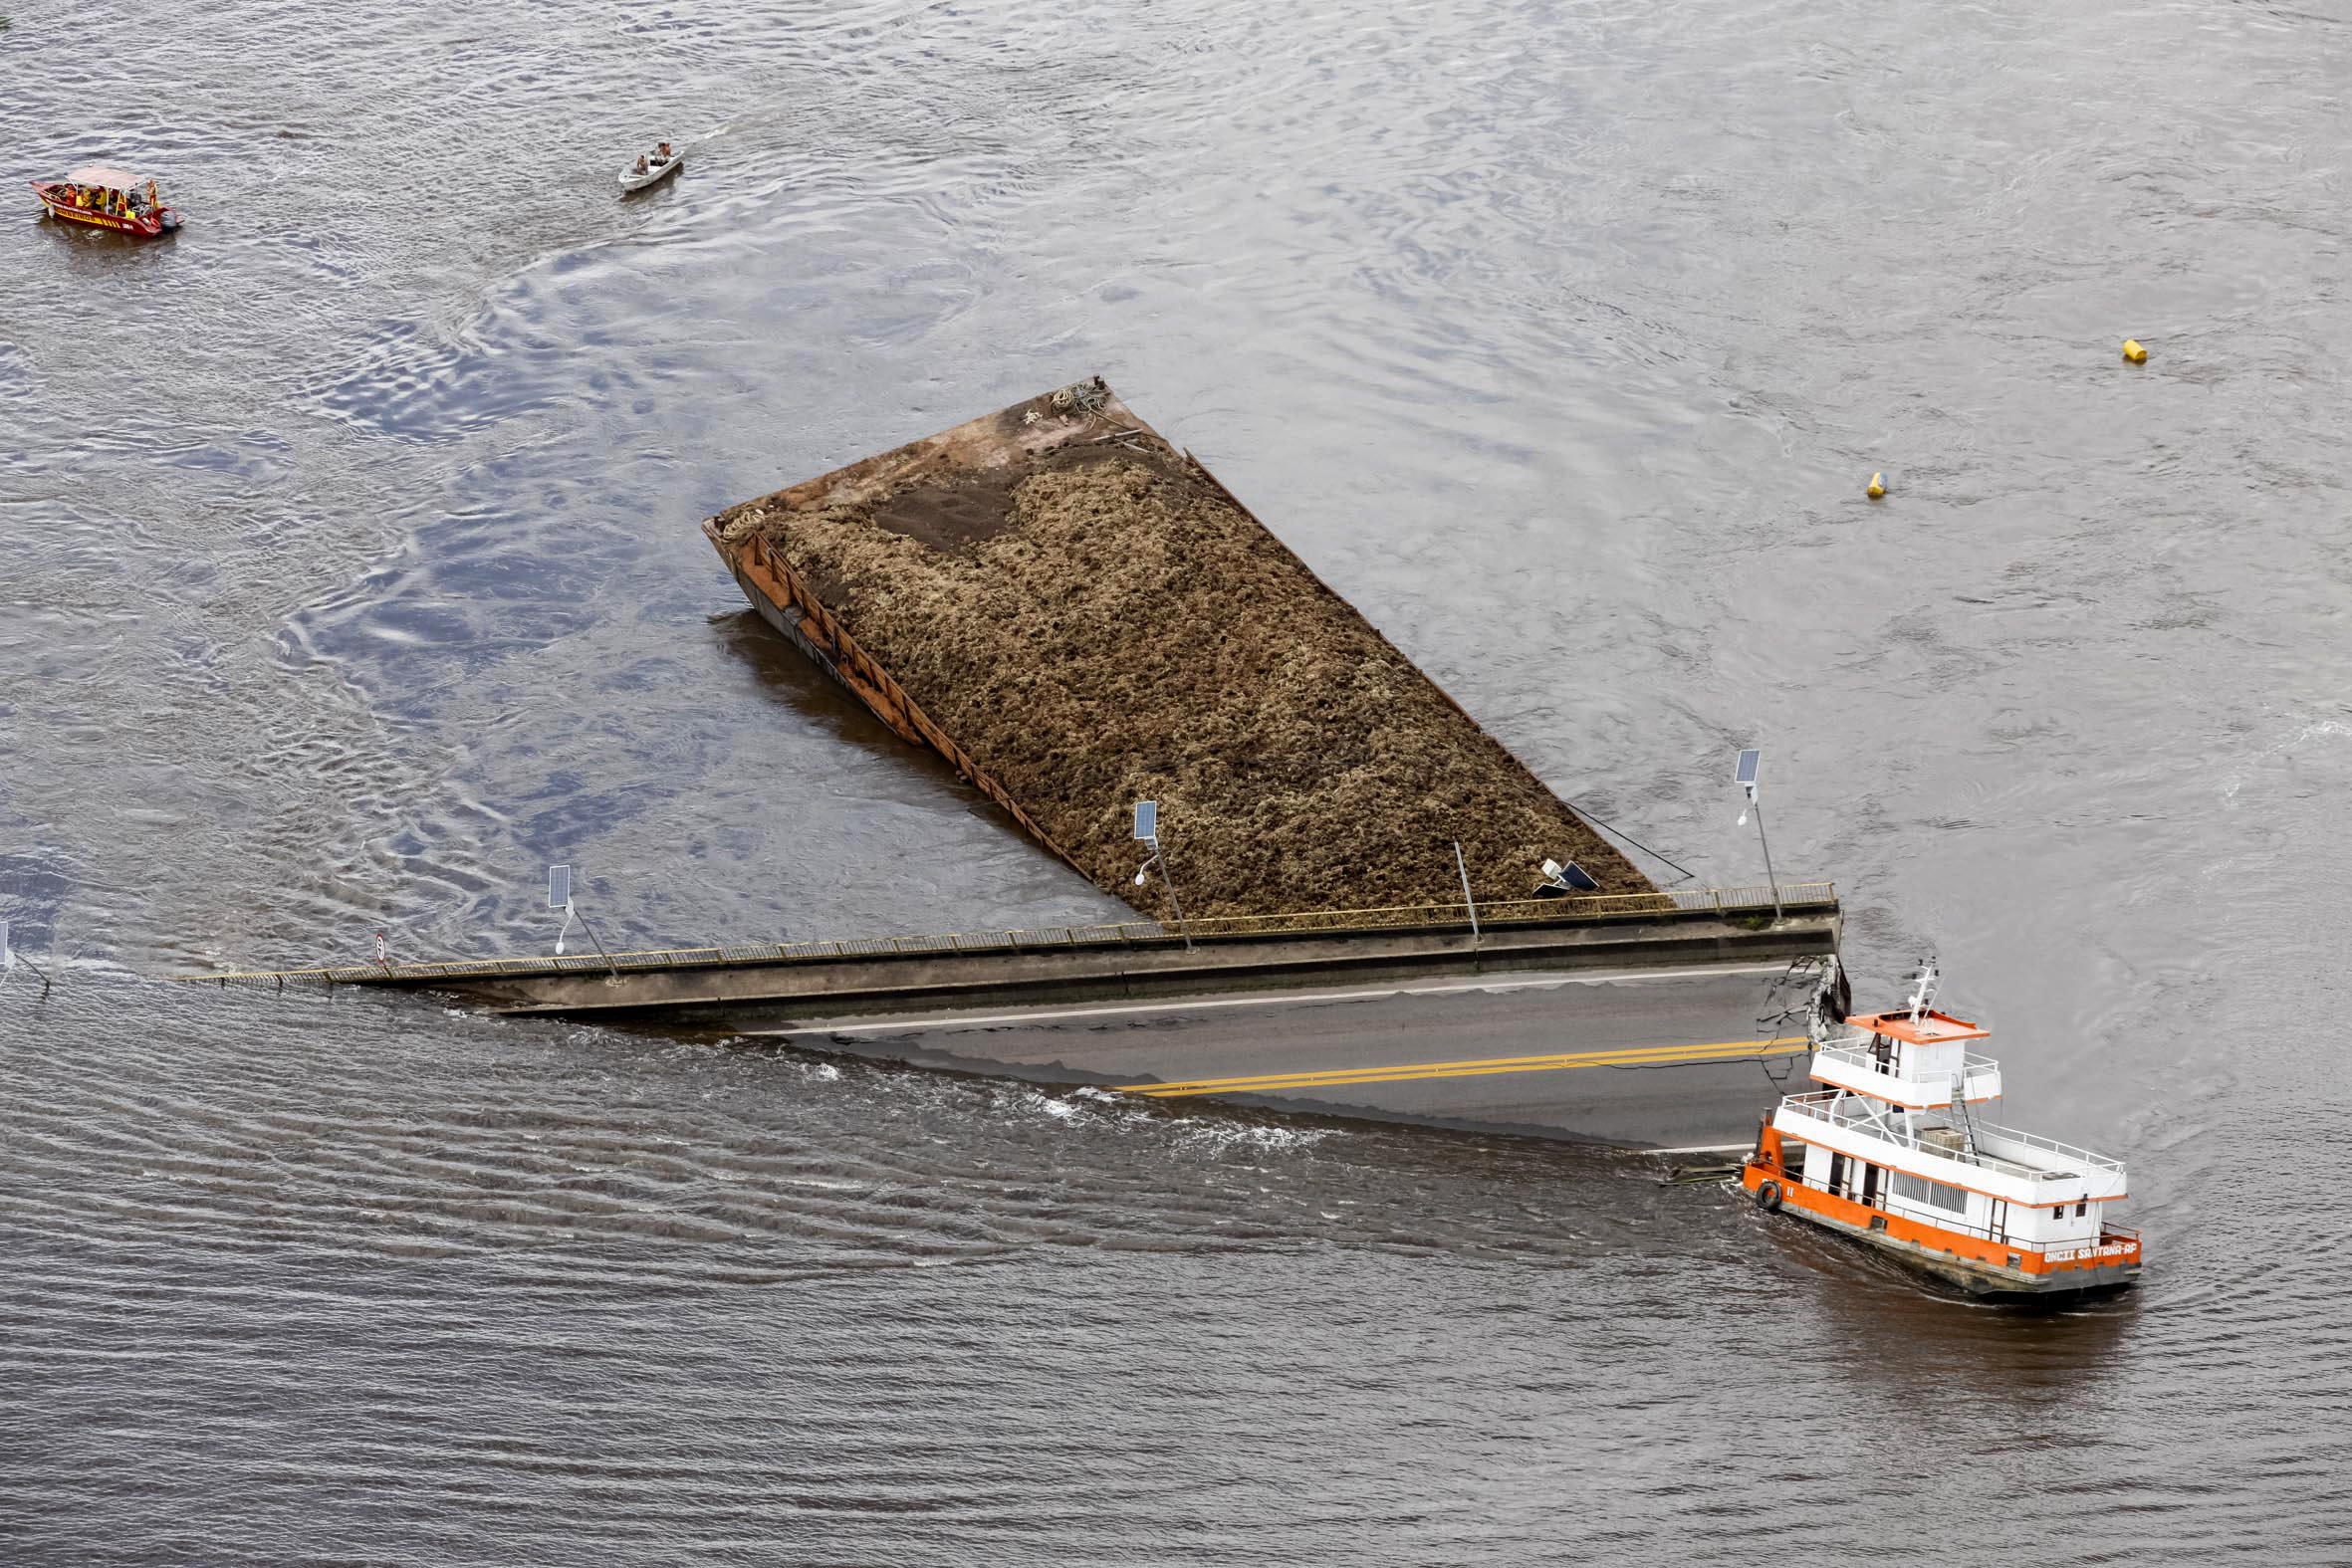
[1866, 1061]
[1841, 1109]
[2068, 1151]
[1945, 1219]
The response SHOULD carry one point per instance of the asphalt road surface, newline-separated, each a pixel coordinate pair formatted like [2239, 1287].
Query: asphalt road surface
[1674, 1057]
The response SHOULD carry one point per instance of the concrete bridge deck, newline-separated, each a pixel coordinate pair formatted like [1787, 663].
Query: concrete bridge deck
[1058, 966]
[1648, 1020]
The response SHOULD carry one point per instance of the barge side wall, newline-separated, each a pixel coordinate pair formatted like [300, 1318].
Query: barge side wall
[784, 602]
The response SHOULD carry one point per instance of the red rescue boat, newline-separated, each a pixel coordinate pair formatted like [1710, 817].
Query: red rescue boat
[107, 198]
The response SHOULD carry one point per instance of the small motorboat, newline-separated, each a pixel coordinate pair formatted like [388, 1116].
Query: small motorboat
[652, 168]
[107, 198]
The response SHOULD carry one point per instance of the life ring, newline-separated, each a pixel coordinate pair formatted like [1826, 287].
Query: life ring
[1767, 1195]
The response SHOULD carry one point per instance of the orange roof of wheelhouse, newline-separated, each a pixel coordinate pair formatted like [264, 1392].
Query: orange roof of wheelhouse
[1933, 1027]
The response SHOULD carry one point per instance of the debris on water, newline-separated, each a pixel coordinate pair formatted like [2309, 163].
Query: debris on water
[1677, 1175]
[2133, 352]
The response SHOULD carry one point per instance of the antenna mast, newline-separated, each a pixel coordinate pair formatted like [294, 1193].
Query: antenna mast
[1922, 992]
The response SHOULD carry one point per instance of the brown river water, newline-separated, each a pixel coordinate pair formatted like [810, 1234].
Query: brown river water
[350, 575]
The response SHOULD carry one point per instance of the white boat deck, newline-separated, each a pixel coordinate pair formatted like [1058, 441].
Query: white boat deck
[1852, 1067]
[2021, 1157]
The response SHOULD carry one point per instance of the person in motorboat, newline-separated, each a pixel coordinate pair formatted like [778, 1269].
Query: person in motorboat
[642, 164]
[661, 154]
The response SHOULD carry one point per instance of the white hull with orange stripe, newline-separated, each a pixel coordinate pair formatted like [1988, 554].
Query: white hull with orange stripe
[1968, 1262]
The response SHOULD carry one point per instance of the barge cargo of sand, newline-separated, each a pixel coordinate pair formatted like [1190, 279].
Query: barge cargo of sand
[1078, 616]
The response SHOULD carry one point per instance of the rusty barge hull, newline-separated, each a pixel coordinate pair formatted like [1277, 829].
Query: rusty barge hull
[1075, 613]
[785, 601]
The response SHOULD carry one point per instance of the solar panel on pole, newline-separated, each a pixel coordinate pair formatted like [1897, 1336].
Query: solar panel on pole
[1745, 776]
[1148, 820]
[7, 954]
[559, 887]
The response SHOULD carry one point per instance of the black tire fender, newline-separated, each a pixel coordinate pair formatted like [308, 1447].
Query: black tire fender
[1767, 1195]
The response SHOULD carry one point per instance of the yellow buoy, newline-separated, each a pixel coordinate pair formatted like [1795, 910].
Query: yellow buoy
[2133, 352]
[1878, 486]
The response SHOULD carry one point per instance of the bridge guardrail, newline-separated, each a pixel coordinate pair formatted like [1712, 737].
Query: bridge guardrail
[1541, 911]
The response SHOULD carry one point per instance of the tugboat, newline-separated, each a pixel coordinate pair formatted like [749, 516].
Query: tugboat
[107, 198]
[1892, 1154]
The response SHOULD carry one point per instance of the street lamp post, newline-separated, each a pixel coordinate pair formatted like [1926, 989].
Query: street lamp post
[1468, 902]
[1147, 832]
[10, 957]
[1745, 776]
[559, 896]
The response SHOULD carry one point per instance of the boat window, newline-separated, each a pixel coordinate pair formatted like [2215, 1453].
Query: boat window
[2082, 1208]
[2058, 1212]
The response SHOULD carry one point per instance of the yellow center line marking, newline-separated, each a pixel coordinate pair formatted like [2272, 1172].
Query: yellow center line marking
[1629, 1056]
